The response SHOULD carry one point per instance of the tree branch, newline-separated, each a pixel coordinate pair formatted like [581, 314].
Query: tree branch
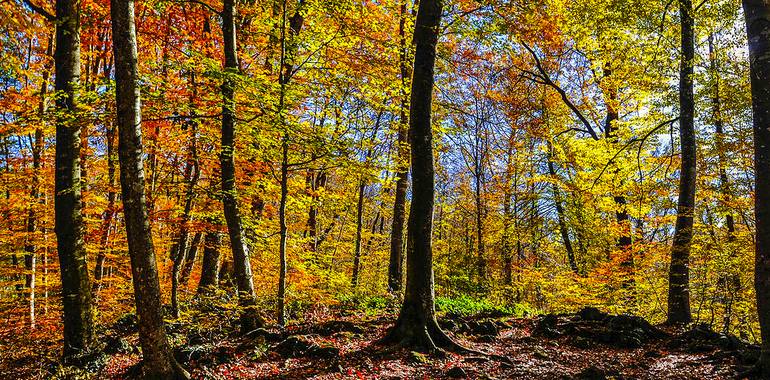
[40, 10]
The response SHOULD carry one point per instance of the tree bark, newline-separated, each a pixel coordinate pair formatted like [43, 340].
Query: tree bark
[158, 361]
[395, 270]
[241, 263]
[757, 13]
[109, 212]
[210, 266]
[190, 258]
[76, 288]
[416, 326]
[191, 175]
[679, 272]
[561, 219]
[359, 229]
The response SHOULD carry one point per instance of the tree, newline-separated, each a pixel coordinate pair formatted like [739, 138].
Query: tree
[76, 288]
[757, 13]
[395, 270]
[416, 325]
[241, 263]
[679, 272]
[158, 360]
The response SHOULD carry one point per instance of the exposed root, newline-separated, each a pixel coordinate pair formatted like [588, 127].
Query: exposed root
[430, 339]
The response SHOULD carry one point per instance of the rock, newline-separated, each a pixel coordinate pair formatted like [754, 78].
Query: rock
[448, 324]
[303, 345]
[484, 328]
[486, 338]
[265, 334]
[456, 372]
[592, 373]
[126, 324]
[117, 345]
[326, 351]
[418, 358]
[546, 327]
[203, 353]
[294, 346]
[540, 354]
[583, 342]
[701, 338]
[331, 327]
[592, 314]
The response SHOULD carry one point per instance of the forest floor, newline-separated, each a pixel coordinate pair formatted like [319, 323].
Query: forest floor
[586, 345]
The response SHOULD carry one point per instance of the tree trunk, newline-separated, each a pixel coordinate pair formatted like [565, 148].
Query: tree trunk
[190, 258]
[210, 266]
[191, 175]
[395, 271]
[561, 219]
[757, 13]
[359, 228]
[241, 263]
[158, 361]
[109, 212]
[416, 326]
[76, 288]
[679, 272]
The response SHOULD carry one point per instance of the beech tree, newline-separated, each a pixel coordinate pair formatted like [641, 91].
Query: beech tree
[757, 14]
[158, 360]
[679, 272]
[416, 325]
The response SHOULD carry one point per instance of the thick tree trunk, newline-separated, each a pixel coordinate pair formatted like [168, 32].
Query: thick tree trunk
[757, 13]
[158, 361]
[679, 272]
[395, 270]
[416, 326]
[241, 263]
[76, 288]
[210, 266]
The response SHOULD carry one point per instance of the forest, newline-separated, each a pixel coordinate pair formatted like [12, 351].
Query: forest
[389, 189]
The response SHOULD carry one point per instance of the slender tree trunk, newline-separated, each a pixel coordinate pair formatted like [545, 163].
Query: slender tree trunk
[191, 175]
[76, 288]
[395, 271]
[359, 228]
[109, 212]
[158, 361]
[757, 13]
[283, 227]
[210, 266]
[679, 272]
[241, 263]
[190, 258]
[561, 219]
[416, 326]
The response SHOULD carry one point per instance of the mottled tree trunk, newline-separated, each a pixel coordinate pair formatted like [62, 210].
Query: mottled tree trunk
[395, 270]
[210, 266]
[190, 258]
[76, 288]
[158, 361]
[241, 263]
[359, 229]
[679, 272]
[757, 13]
[109, 212]
[416, 326]
[560, 217]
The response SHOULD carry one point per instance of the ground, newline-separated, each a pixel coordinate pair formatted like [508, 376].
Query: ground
[586, 345]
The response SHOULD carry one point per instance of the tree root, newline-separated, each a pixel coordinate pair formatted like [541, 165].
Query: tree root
[430, 339]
